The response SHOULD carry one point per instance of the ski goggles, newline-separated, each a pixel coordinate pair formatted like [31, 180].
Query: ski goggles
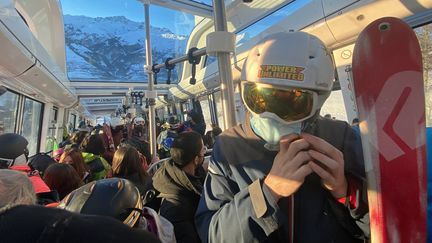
[289, 104]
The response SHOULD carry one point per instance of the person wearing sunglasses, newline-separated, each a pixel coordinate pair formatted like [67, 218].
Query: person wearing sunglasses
[286, 174]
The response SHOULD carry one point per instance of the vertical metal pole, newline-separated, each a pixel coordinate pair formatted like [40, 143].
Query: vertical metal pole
[152, 124]
[224, 63]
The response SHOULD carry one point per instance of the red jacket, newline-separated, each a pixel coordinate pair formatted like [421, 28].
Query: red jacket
[38, 184]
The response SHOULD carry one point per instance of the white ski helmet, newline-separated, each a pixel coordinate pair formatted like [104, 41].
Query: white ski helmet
[116, 121]
[294, 61]
[138, 121]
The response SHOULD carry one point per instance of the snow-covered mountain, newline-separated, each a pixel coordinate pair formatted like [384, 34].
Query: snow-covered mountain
[113, 48]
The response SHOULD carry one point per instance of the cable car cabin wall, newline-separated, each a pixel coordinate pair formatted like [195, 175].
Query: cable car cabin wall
[89, 65]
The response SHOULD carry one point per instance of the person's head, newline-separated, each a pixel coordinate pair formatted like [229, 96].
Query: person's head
[57, 154]
[78, 137]
[13, 150]
[127, 161]
[195, 117]
[284, 82]
[40, 162]
[188, 150]
[15, 189]
[117, 124]
[114, 197]
[355, 121]
[73, 157]
[216, 131]
[208, 139]
[63, 178]
[138, 126]
[93, 144]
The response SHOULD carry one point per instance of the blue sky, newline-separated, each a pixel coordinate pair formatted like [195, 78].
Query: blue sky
[178, 22]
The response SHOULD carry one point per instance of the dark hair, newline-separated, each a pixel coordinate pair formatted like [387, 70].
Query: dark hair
[355, 120]
[78, 137]
[208, 139]
[216, 131]
[63, 178]
[186, 146]
[127, 161]
[196, 116]
[77, 161]
[40, 162]
[93, 144]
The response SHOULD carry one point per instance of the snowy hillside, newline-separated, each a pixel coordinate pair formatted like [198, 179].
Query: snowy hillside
[112, 48]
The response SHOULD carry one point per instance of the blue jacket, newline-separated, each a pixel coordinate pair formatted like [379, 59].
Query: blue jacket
[236, 207]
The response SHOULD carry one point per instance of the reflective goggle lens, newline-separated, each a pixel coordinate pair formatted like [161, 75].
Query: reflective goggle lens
[288, 104]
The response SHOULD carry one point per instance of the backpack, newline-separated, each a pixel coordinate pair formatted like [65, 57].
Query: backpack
[151, 221]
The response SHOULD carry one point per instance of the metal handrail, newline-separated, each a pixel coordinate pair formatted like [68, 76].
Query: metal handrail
[197, 53]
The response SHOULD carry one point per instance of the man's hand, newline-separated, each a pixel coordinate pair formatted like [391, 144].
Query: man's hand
[328, 163]
[290, 167]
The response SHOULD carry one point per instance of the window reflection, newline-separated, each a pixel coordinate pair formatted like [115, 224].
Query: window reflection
[32, 123]
[8, 112]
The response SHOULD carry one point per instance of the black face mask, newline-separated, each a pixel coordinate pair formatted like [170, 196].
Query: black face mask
[117, 129]
[138, 130]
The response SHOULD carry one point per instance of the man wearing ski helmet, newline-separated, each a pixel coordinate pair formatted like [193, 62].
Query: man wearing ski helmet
[286, 174]
[137, 140]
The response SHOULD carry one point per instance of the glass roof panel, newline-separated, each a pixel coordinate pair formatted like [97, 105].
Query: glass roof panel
[268, 21]
[105, 39]
[207, 2]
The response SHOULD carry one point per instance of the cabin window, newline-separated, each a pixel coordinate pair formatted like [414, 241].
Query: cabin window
[335, 107]
[424, 35]
[209, 60]
[72, 122]
[207, 2]
[105, 40]
[53, 121]
[206, 112]
[8, 112]
[270, 20]
[219, 111]
[31, 125]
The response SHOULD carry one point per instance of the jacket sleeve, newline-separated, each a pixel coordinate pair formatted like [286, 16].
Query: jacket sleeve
[229, 214]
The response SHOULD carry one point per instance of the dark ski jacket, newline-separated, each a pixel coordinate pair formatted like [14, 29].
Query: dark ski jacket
[236, 207]
[142, 146]
[44, 225]
[180, 195]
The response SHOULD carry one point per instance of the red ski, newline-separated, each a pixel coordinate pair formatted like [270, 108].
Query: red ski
[388, 81]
